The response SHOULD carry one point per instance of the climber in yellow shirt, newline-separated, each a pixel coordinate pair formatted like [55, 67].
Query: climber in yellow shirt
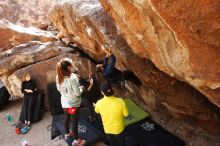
[112, 110]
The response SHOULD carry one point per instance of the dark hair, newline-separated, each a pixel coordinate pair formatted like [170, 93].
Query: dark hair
[98, 68]
[76, 72]
[106, 89]
[24, 76]
[63, 70]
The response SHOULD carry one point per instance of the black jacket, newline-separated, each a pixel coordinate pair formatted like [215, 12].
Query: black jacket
[31, 85]
[111, 73]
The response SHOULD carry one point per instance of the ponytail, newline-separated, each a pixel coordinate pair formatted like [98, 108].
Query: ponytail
[59, 73]
[63, 70]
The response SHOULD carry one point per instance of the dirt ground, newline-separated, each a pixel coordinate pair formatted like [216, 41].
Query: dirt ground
[40, 136]
[37, 136]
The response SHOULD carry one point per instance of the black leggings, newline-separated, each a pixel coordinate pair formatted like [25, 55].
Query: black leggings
[74, 123]
[116, 139]
[28, 107]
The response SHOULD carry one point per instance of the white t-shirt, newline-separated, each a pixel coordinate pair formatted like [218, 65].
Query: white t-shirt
[70, 91]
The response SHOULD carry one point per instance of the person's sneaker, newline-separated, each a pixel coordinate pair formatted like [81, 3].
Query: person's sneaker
[75, 142]
[81, 142]
[28, 126]
[24, 130]
[70, 134]
[66, 136]
[78, 142]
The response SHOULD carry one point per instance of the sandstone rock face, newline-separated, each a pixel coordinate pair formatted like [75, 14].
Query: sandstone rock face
[89, 26]
[26, 13]
[27, 54]
[44, 73]
[12, 35]
[73, 19]
[182, 38]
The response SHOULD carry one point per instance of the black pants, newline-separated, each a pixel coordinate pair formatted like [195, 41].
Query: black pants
[28, 107]
[73, 120]
[116, 139]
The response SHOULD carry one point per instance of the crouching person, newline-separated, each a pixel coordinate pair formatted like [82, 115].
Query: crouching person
[69, 88]
[112, 111]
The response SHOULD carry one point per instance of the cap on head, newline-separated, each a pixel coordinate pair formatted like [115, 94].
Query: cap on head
[106, 89]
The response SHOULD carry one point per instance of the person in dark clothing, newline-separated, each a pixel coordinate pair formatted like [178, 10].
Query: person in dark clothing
[108, 70]
[94, 92]
[112, 74]
[28, 88]
[91, 93]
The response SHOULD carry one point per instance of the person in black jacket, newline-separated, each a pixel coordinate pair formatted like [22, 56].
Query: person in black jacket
[108, 70]
[91, 93]
[112, 74]
[28, 88]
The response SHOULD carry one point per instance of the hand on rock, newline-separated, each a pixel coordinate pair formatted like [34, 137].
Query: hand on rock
[106, 49]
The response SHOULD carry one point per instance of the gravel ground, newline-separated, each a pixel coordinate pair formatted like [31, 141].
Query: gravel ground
[37, 136]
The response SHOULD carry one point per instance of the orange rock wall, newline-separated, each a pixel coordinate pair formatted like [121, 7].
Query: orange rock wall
[182, 38]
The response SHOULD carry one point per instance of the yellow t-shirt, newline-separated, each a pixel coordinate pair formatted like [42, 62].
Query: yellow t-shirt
[112, 110]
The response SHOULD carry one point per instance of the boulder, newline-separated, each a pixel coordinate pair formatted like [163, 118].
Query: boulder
[12, 35]
[73, 20]
[180, 37]
[26, 13]
[44, 73]
[88, 25]
[30, 53]
[25, 55]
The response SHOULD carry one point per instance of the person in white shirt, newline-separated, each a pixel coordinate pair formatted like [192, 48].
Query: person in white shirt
[70, 90]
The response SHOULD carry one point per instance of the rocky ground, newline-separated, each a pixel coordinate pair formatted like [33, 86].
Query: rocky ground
[37, 136]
